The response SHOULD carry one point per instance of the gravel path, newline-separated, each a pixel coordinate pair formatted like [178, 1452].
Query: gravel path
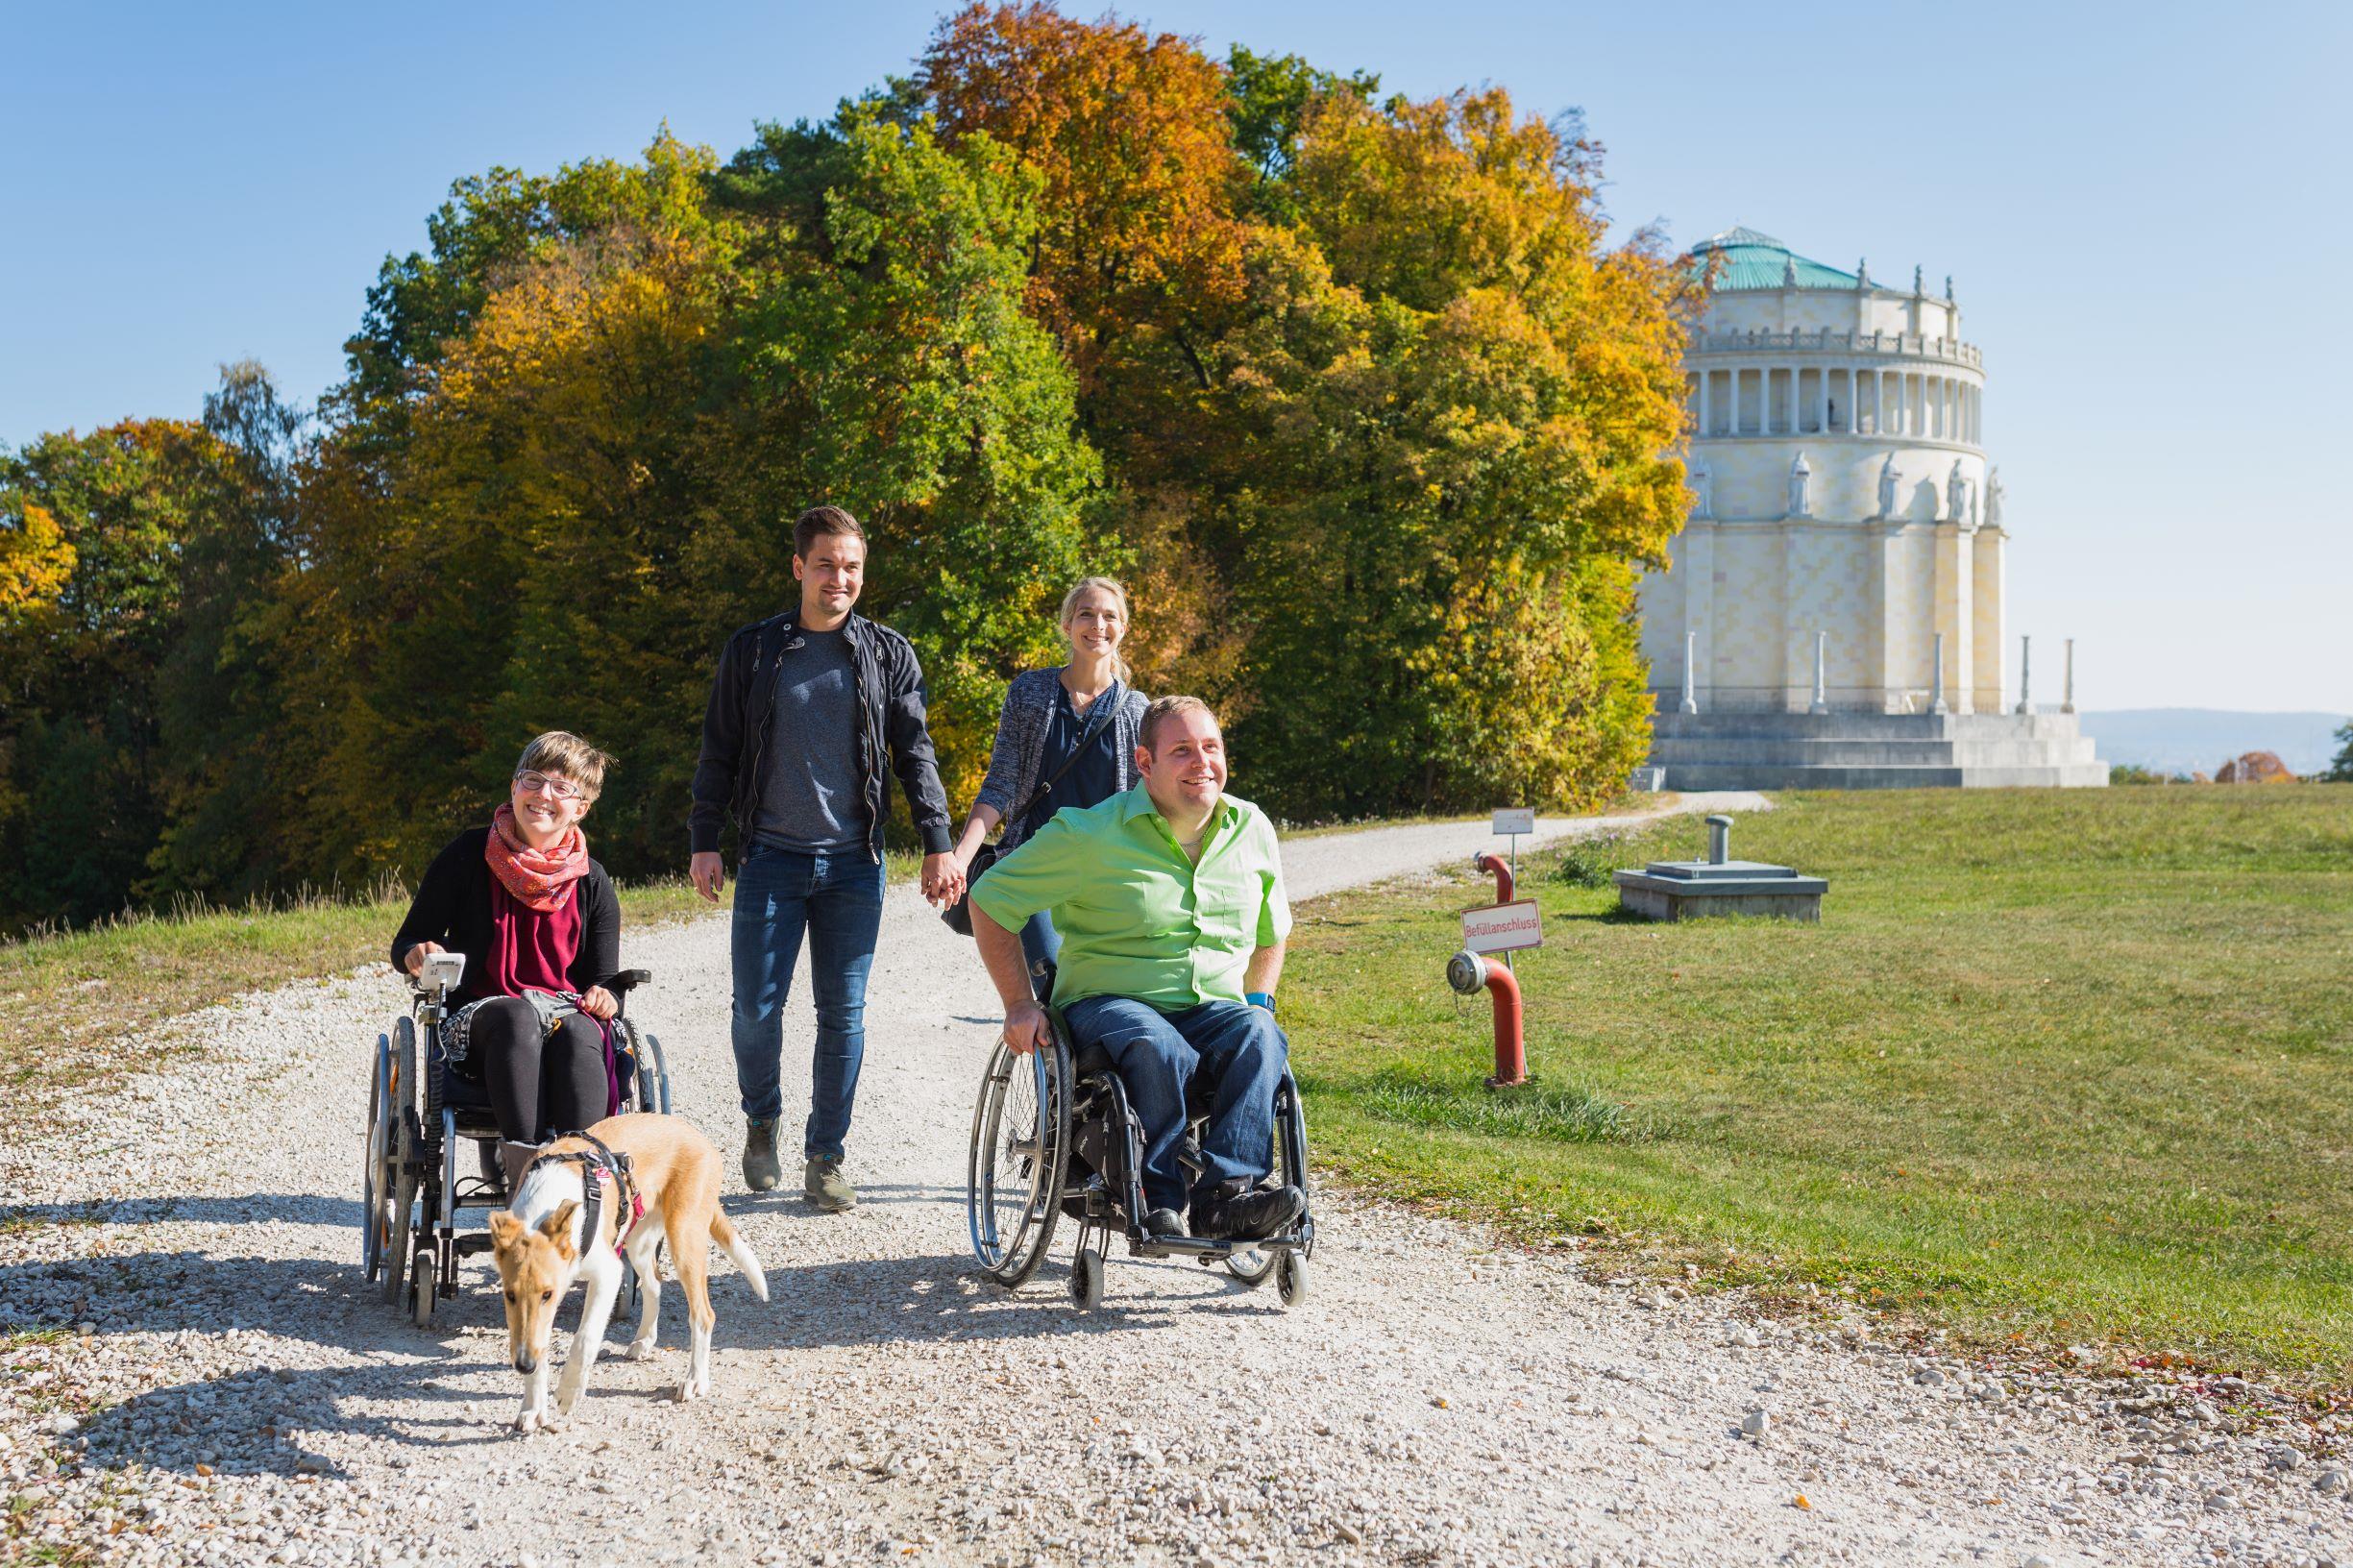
[227, 1392]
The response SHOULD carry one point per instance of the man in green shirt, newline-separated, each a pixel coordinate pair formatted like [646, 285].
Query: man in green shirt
[1168, 899]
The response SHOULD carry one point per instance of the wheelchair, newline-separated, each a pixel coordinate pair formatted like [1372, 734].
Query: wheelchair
[420, 1112]
[1053, 1134]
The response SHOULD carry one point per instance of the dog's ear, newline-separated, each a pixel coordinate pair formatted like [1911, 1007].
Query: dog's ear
[557, 1225]
[505, 1228]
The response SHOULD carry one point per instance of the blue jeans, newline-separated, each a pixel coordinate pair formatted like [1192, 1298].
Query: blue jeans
[837, 899]
[1237, 1045]
[1041, 946]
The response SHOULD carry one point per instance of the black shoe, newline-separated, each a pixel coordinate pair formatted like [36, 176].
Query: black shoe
[1231, 1211]
[1162, 1223]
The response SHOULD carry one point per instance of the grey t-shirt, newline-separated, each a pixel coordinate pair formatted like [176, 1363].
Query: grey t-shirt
[813, 801]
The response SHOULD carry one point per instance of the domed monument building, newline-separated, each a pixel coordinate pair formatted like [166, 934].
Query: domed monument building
[1832, 613]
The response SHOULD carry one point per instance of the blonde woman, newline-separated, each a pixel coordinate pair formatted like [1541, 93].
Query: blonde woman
[1067, 736]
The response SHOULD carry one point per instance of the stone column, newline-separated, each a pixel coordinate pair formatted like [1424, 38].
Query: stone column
[2067, 701]
[1706, 427]
[1822, 399]
[1936, 680]
[1691, 692]
[1822, 645]
[2025, 676]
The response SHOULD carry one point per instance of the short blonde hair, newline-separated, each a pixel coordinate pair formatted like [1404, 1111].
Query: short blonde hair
[1070, 606]
[1168, 707]
[565, 754]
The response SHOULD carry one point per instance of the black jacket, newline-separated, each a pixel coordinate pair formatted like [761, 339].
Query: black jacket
[453, 908]
[730, 775]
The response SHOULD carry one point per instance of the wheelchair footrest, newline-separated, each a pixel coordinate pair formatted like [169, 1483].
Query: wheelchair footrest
[473, 1243]
[1208, 1252]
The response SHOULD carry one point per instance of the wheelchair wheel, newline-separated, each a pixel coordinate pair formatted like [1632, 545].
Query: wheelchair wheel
[1086, 1279]
[1292, 1278]
[1020, 1148]
[1251, 1268]
[375, 1185]
[422, 1270]
[399, 1106]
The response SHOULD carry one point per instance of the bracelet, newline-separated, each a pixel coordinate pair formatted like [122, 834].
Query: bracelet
[1261, 998]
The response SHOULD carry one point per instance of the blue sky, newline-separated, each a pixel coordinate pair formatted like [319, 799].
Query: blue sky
[2141, 207]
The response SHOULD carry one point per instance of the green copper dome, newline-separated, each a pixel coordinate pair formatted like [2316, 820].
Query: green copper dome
[1744, 258]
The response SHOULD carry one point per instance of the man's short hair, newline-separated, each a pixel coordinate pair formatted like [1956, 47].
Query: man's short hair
[565, 754]
[821, 522]
[1168, 707]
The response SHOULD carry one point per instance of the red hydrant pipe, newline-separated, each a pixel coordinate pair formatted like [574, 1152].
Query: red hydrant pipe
[1466, 972]
[1494, 864]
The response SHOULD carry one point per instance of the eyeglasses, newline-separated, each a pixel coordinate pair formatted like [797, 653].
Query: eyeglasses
[563, 789]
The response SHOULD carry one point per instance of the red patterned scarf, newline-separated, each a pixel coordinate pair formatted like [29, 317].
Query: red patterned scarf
[539, 879]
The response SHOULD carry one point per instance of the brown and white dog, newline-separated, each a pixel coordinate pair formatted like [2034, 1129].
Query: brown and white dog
[541, 1251]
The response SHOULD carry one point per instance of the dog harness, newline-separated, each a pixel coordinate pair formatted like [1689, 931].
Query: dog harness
[598, 1165]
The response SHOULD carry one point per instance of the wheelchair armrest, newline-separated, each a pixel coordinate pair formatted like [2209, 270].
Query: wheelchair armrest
[628, 980]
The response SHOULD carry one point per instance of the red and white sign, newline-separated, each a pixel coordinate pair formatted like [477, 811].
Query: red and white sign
[1503, 928]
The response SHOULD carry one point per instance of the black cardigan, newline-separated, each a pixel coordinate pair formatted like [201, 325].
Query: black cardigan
[453, 908]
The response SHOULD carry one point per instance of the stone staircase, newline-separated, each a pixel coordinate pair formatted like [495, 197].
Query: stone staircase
[1873, 751]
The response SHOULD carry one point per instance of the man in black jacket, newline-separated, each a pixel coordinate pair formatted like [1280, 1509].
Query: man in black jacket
[804, 708]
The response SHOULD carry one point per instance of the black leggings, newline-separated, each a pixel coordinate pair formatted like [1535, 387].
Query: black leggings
[540, 1085]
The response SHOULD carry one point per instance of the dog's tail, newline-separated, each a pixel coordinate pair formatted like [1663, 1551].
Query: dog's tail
[732, 1244]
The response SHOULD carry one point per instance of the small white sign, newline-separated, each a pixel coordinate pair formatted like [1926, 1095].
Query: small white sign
[1511, 820]
[1503, 928]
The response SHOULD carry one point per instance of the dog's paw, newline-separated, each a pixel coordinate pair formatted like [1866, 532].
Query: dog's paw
[529, 1420]
[639, 1350]
[692, 1388]
[565, 1400]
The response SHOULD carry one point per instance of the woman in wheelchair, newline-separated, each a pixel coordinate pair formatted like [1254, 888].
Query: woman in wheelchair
[540, 928]
[1168, 899]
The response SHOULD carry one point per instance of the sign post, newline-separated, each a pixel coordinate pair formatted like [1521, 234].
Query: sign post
[1510, 821]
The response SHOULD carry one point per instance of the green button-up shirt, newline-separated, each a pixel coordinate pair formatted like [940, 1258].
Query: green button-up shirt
[1136, 917]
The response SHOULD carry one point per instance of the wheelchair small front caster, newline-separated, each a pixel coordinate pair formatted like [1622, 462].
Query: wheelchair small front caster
[1292, 1278]
[1086, 1279]
[423, 1273]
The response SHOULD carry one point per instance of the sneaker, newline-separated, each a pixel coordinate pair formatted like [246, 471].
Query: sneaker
[825, 1186]
[1164, 1224]
[1231, 1211]
[761, 1170]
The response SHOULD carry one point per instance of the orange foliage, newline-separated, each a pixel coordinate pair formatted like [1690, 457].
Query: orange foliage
[1130, 131]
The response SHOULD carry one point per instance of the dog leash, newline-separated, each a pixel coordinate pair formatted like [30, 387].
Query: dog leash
[594, 1168]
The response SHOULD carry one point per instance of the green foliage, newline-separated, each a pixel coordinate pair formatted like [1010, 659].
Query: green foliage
[2341, 770]
[1349, 391]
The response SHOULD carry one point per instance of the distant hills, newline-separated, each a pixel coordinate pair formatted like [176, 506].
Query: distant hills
[2200, 739]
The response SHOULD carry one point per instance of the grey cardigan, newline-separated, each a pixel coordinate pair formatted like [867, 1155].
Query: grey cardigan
[1020, 742]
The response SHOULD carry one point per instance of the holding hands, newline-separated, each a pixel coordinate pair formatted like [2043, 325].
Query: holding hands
[943, 878]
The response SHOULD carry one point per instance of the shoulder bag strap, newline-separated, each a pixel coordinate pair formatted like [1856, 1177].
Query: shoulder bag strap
[1096, 722]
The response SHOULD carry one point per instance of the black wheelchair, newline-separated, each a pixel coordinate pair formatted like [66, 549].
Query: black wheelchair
[412, 1188]
[1053, 1133]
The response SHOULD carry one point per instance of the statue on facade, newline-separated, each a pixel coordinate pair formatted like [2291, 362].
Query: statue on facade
[1887, 487]
[1798, 475]
[1992, 496]
[1702, 493]
[1956, 495]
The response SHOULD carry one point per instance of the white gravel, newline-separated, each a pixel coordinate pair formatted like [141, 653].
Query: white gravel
[234, 1394]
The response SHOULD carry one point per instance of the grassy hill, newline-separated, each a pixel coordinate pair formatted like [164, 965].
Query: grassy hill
[2068, 1066]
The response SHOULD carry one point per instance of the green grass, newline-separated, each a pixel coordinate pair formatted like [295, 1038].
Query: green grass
[2061, 1066]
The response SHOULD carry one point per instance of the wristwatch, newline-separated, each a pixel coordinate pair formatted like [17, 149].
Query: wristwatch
[1261, 998]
